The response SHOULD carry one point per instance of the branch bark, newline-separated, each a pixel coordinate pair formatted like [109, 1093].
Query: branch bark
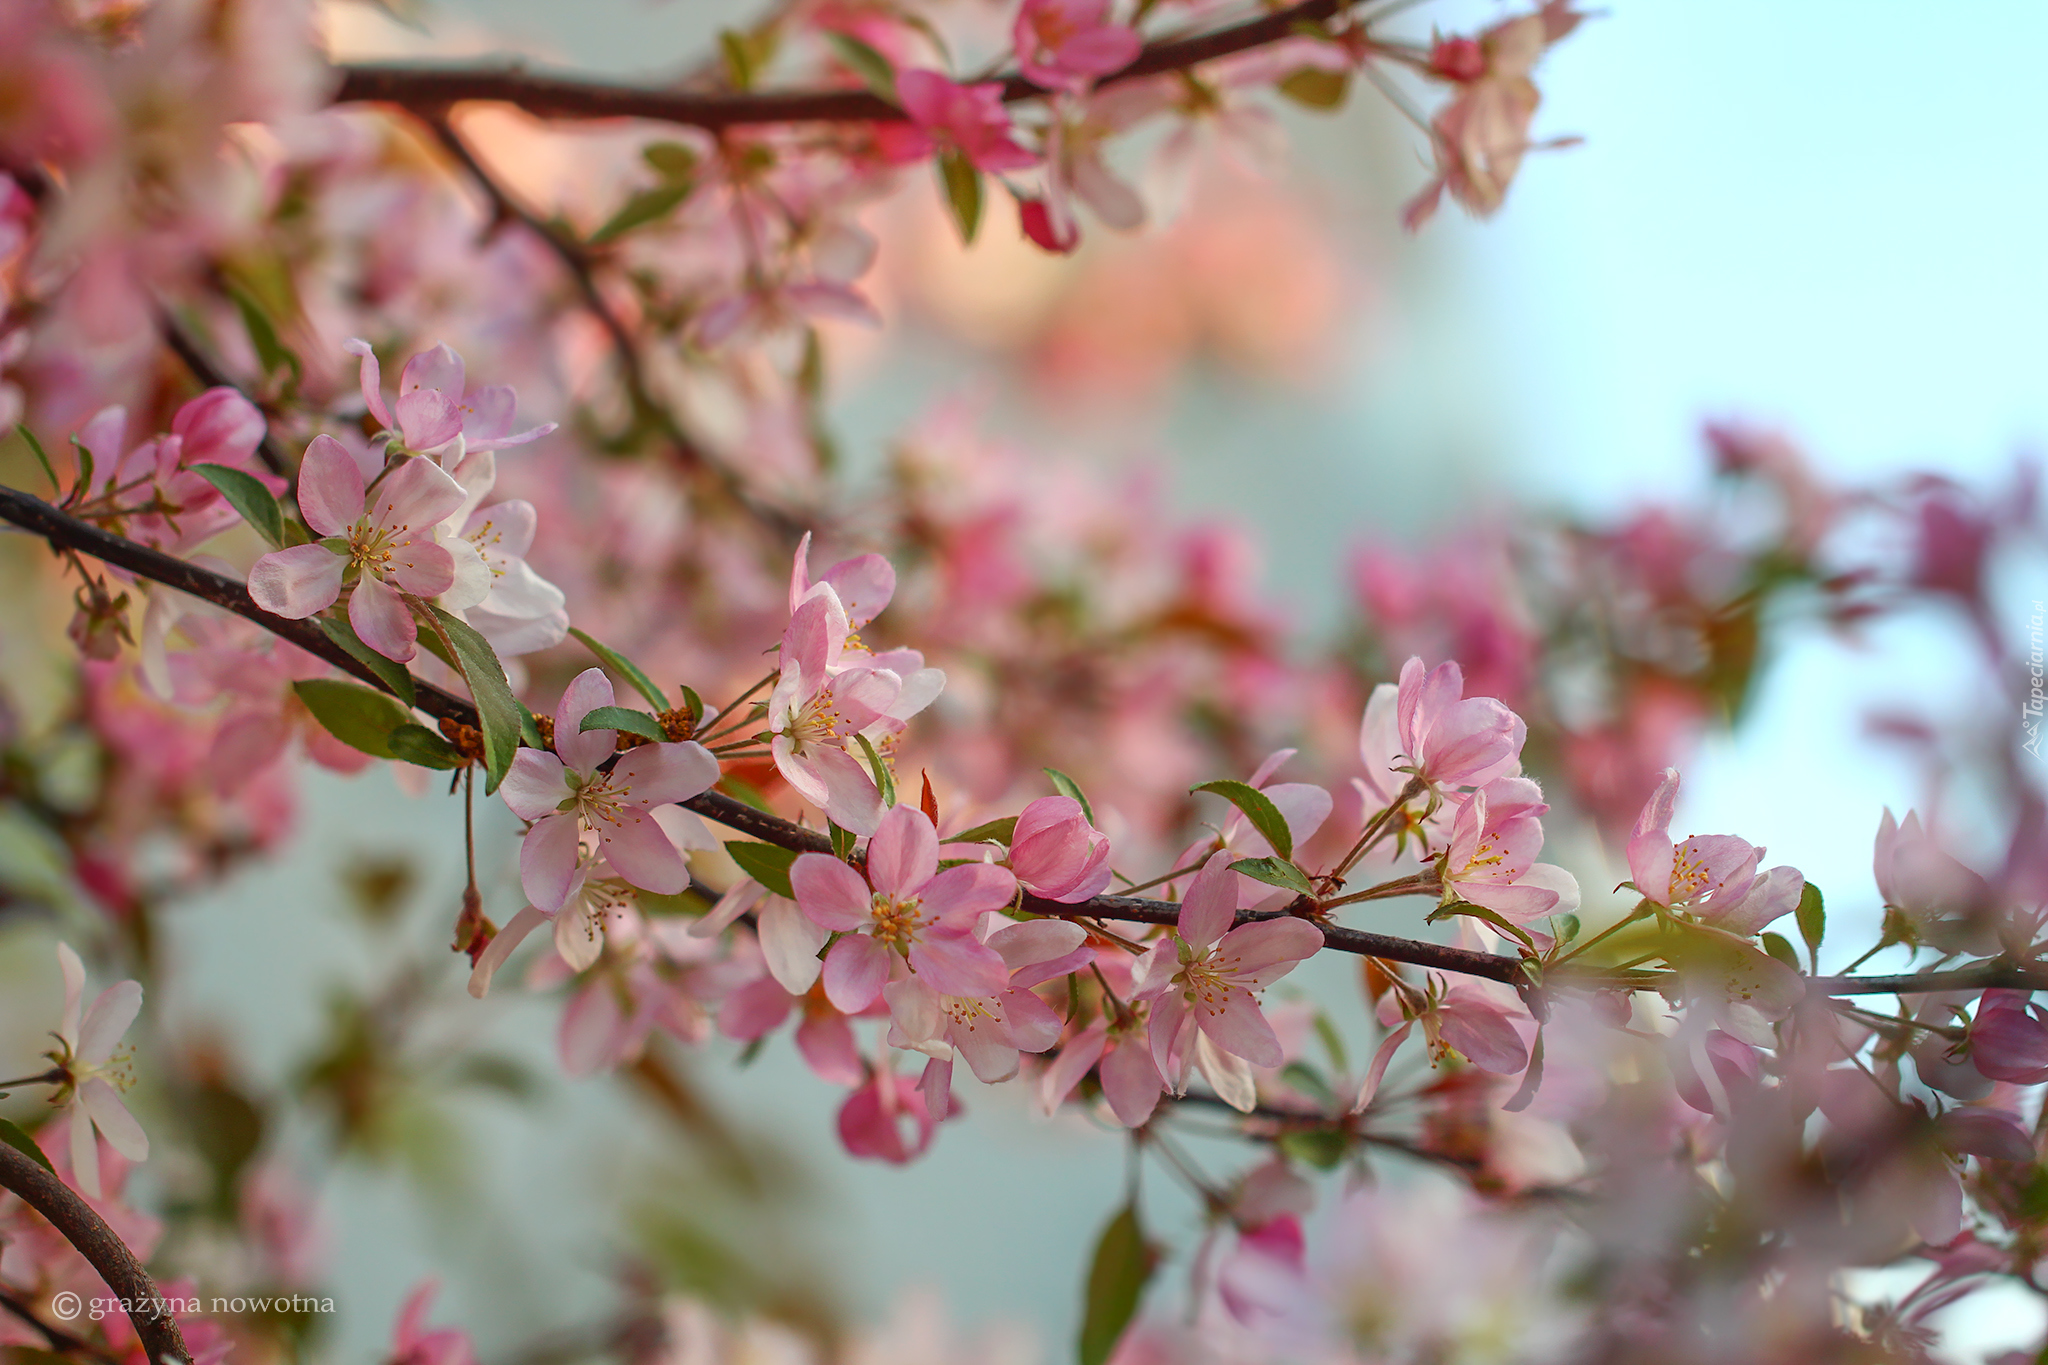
[67, 532]
[108, 1255]
[432, 88]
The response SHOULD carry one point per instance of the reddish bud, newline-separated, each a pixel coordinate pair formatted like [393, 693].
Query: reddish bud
[1458, 59]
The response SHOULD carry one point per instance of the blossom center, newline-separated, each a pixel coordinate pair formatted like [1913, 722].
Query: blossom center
[896, 921]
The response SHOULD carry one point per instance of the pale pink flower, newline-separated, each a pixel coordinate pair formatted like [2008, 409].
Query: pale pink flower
[1452, 740]
[886, 1118]
[2009, 1038]
[904, 910]
[864, 584]
[95, 1074]
[988, 1030]
[1121, 1057]
[817, 708]
[1056, 853]
[432, 408]
[789, 939]
[1067, 44]
[413, 1343]
[1485, 1022]
[1075, 170]
[1491, 858]
[1711, 1070]
[968, 119]
[1948, 904]
[381, 539]
[220, 426]
[568, 795]
[1209, 990]
[1708, 874]
[1773, 894]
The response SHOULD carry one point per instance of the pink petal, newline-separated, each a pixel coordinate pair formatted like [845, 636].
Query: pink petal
[955, 963]
[427, 419]
[864, 585]
[74, 992]
[830, 892]
[1100, 51]
[642, 852]
[1236, 1024]
[85, 1153]
[383, 621]
[754, 1009]
[112, 1118]
[107, 1020]
[547, 861]
[852, 800]
[330, 487]
[1029, 1024]
[372, 380]
[959, 893]
[1035, 941]
[439, 368]
[414, 496]
[1486, 1038]
[827, 1045]
[790, 941]
[1066, 1070]
[534, 785]
[500, 947]
[1384, 1054]
[904, 853]
[423, 568]
[992, 1060]
[1211, 902]
[582, 749]
[659, 774]
[855, 971]
[1256, 950]
[297, 582]
[1130, 1082]
[926, 95]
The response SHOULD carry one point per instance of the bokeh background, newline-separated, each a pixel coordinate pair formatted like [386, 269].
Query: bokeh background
[1822, 218]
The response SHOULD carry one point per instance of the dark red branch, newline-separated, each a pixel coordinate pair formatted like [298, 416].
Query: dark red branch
[107, 1254]
[418, 87]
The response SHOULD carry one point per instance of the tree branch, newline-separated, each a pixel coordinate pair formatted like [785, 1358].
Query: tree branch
[67, 532]
[561, 97]
[68, 1212]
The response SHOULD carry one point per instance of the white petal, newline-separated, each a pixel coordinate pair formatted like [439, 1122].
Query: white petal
[107, 1020]
[111, 1116]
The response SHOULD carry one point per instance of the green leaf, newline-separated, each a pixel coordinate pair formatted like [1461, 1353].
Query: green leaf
[885, 781]
[84, 462]
[1566, 927]
[529, 729]
[1275, 872]
[1480, 912]
[247, 495]
[496, 707]
[624, 718]
[999, 830]
[389, 671]
[417, 745]
[643, 208]
[13, 1135]
[1258, 808]
[961, 184]
[624, 667]
[271, 353]
[1812, 915]
[842, 841]
[1778, 946]
[739, 789]
[1067, 786]
[1116, 1281]
[1309, 1082]
[360, 717]
[1316, 88]
[865, 62]
[1322, 1148]
[737, 49]
[1333, 1042]
[767, 864]
[42, 456]
[693, 705]
[676, 160]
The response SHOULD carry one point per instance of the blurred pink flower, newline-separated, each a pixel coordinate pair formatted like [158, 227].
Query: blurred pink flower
[968, 119]
[1067, 44]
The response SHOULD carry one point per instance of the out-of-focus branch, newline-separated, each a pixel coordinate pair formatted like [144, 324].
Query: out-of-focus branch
[69, 533]
[108, 1255]
[434, 88]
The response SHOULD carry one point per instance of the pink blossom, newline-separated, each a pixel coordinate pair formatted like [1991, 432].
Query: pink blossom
[1056, 853]
[1948, 904]
[413, 1343]
[1067, 44]
[988, 1030]
[569, 796]
[1491, 859]
[1711, 1070]
[381, 539]
[864, 584]
[1482, 1021]
[432, 408]
[94, 1074]
[2009, 1038]
[1122, 1059]
[819, 705]
[182, 508]
[1708, 874]
[1452, 740]
[968, 119]
[906, 911]
[1210, 989]
[886, 1118]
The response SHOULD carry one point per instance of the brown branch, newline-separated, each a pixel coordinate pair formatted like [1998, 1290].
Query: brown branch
[107, 1254]
[562, 97]
[66, 532]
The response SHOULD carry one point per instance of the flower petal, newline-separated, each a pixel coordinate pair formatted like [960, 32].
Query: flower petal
[904, 853]
[580, 749]
[330, 487]
[790, 941]
[855, 971]
[500, 948]
[660, 774]
[112, 1118]
[547, 861]
[107, 1020]
[534, 785]
[959, 893]
[830, 892]
[953, 962]
[642, 851]
[297, 582]
[383, 621]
